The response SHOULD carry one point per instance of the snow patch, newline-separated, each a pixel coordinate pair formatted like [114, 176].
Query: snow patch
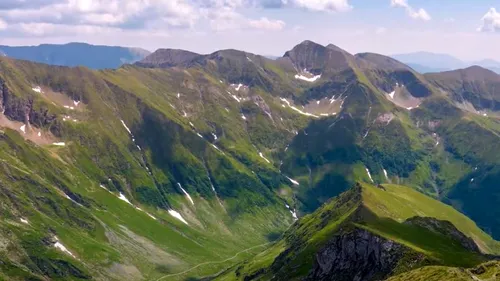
[243, 117]
[262, 156]
[304, 78]
[293, 181]
[236, 98]
[187, 194]
[392, 94]
[60, 246]
[76, 103]
[249, 59]
[215, 136]
[123, 198]
[23, 129]
[386, 176]
[471, 180]
[59, 144]
[25, 221]
[39, 134]
[199, 135]
[214, 146]
[69, 107]
[178, 95]
[177, 215]
[318, 102]
[238, 87]
[294, 214]
[369, 175]
[37, 89]
[125, 126]
[298, 110]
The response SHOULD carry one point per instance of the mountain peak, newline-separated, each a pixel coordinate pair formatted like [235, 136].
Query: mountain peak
[168, 58]
[317, 58]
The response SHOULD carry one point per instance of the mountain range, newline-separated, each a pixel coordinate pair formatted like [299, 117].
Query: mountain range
[425, 62]
[76, 54]
[317, 165]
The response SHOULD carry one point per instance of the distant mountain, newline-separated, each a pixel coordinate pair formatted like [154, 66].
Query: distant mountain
[76, 54]
[425, 62]
[167, 58]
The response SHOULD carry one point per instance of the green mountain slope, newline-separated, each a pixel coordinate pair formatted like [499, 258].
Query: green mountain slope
[192, 189]
[370, 233]
[183, 164]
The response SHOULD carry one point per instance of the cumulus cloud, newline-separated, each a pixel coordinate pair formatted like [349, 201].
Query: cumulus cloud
[225, 19]
[322, 5]
[490, 22]
[41, 17]
[267, 24]
[418, 14]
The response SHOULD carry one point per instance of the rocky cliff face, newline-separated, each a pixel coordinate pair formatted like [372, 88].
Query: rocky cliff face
[358, 255]
[23, 110]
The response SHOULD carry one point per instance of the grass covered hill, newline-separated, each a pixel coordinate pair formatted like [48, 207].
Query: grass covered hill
[373, 233]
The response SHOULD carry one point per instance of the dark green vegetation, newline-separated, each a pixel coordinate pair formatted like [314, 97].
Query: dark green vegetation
[372, 233]
[76, 54]
[184, 164]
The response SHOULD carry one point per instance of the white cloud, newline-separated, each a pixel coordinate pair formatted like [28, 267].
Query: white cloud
[267, 24]
[419, 14]
[490, 21]
[225, 19]
[321, 5]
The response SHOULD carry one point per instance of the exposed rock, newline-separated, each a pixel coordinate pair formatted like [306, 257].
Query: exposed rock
[261, 103]
[23, 110]
[358, 255]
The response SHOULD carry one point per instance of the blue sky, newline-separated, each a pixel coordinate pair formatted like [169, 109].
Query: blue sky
[469, 30]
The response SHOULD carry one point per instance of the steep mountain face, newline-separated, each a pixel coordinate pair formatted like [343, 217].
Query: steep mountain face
[473, 86]
[318, 59]
[76, 54]
[103, 170]
[369, 233]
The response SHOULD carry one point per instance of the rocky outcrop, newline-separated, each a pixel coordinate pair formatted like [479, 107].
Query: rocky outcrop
[358, 255]
[23, 110]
